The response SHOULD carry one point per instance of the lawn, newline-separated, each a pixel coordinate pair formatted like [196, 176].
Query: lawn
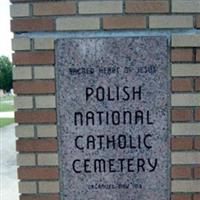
[6, 105]
[7, 98]
[5, 121]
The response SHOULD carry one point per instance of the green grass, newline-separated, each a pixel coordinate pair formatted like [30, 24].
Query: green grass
[4, 107]
[6, 98]
[6, 122]
[6, 104]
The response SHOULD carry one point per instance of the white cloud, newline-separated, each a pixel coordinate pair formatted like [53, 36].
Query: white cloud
[5, 33]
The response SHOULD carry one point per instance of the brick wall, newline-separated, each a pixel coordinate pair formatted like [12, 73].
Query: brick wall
[34, 82]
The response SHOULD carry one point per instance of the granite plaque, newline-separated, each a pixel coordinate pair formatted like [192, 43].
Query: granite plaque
[112, 113]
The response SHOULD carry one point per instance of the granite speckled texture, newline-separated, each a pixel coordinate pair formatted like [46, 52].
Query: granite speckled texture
[103, 153]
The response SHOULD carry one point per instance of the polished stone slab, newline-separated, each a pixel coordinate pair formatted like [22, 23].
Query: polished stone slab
[112, 113]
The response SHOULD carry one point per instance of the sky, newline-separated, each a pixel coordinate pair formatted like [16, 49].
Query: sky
[5, 33]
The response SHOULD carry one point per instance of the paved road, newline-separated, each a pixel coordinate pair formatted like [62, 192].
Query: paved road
[8, 168]
[6, 114]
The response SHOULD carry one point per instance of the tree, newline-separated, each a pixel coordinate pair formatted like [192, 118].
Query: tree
[5, 73]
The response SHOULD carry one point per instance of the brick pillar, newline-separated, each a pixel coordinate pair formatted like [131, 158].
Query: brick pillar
[34, 81]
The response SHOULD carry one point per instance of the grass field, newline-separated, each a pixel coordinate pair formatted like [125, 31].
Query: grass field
[5, 122]
[7, 98]
[6, 105]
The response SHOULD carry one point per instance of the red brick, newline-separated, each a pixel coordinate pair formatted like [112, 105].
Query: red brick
[34, 87]
[197, 143]
[198, 55]
[196, 197]
[40, 145]
[197, 84]
[54, 8]
[124, 22]
[35, 117]
[197, 114]
[38, 173]
[147, 6]
[197, 172]
[181, 143]
[39, 197]
[182, 85]
[179, 172]
[182, 55]
[181, 197]
[181, 115]
[34, 58]
[32, 25]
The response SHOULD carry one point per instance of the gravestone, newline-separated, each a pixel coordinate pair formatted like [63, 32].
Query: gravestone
[112, 112]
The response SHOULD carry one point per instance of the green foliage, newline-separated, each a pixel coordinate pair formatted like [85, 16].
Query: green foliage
[5, 73]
